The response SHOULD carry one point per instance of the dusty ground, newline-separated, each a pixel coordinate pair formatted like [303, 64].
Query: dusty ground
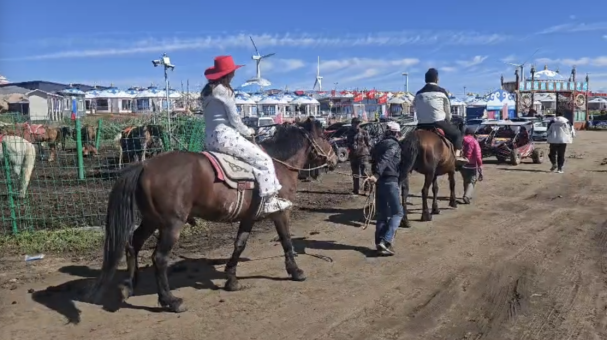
[527, 261]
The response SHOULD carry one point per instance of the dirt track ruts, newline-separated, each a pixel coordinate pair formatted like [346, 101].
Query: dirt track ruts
[528, 260]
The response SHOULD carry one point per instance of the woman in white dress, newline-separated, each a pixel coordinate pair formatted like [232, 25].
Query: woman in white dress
[226, 133]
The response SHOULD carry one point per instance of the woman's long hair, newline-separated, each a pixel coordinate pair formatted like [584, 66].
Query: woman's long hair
[212, 84]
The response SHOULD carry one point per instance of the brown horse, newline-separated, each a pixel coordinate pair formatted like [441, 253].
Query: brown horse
[135, 141]
[174, 187]
[36, 134]
[430, 154]
[88, 135]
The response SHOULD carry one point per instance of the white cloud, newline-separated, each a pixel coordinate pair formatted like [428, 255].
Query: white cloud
[575, 27]
[283, 65]
[476, 60]
[509, 59]
[448, 69]
[365, 63]
[122, 47]
[584, 61]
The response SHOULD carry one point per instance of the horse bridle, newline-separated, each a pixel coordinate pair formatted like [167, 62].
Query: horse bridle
[316, 149]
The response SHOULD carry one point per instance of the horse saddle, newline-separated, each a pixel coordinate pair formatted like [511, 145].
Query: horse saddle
[441, 134]
[232, 171]
[35, 129]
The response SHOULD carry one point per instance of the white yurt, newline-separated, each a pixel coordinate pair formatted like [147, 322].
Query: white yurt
[74, 103]
[149, 100]
[175, 97]
[397, 106]
[114, 100]
[458, 107]
[246, 106]
[271, 105]
[305, 105]
[90, 98]
[256, 96]
[598, 103]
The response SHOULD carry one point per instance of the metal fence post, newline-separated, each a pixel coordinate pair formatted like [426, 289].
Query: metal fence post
[9, 186]
[98, 135]
[79, 149]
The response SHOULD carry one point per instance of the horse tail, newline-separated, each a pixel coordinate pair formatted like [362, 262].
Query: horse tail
[29, 160]
[410, 146]
[119, 226]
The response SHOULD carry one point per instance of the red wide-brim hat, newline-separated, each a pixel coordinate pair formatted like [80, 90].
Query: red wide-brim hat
[223, 65]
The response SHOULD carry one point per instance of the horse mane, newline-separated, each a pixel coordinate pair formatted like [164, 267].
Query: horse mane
[288, 139]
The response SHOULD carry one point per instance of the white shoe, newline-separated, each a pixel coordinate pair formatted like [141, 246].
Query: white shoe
[275, 204]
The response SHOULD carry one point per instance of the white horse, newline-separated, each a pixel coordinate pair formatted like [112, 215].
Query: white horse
[22, 157]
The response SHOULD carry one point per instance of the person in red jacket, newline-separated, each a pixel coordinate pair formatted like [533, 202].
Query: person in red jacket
[473, 170]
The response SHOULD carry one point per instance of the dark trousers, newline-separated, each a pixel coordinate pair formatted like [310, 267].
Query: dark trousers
[557, 155]
[360, 168]
[452, 133]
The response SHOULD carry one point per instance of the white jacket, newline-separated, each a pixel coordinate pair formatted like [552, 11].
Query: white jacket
[560, 131]
[432, 104]
[220, 109]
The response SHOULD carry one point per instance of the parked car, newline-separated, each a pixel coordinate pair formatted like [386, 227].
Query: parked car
[540, 131]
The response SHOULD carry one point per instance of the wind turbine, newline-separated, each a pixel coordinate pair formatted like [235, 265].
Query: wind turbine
[521, 67]
[258, 58]
[318, 80]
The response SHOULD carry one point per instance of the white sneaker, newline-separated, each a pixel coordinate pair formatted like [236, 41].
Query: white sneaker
[275, 204]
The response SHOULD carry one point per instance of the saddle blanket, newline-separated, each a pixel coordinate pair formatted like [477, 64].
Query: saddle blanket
[235, 173]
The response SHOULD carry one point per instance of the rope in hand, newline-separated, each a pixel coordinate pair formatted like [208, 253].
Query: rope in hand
[369, 206]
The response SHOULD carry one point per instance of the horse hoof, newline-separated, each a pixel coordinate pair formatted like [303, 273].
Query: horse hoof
[426, 217]
[232, 285]
[298, 275]
[405, 224]
[435, 211]
[125, 291]
[453, 204]
[177, 306]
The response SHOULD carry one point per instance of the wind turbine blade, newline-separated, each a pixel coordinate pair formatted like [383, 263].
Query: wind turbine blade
[315, 83]
[255, 46]
[268, 55]
[533, 55]
[517, 65]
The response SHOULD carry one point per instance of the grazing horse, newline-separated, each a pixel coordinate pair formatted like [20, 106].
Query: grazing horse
[136, 140]
[22, 157]
[88, 134]
[431, 154]
[174, 187]
[36, 134]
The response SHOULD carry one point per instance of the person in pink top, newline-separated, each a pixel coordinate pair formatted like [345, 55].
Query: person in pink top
[473, 170]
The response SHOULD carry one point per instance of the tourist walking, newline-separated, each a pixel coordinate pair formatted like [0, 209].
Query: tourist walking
[560, 133]
[472, 171]
[386, 156]
[359, 147]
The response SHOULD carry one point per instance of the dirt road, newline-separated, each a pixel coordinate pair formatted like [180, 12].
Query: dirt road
[528, 260]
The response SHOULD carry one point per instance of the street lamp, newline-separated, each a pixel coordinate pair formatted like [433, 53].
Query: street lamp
[165, 61]
[406, 75]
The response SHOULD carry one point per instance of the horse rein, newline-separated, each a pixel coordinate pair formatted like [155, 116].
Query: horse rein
[318, 151]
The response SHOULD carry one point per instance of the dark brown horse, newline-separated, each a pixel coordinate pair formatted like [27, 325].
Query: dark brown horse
[430, 154]
[173, 188]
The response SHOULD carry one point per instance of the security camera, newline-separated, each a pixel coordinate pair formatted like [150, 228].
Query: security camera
[156, 62]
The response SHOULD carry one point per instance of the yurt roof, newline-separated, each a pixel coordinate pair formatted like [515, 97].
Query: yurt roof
[151, 92]
[272, 100]
[240, 99]
[304, 100]
[114, 92]
[72, 91]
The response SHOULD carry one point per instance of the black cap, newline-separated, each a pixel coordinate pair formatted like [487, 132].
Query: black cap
[355, 121]
[432, 76]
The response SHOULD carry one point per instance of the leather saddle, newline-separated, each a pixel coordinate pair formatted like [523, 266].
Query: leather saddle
[232, 171]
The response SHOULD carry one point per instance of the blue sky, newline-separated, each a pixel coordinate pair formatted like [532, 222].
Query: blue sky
[361, 45]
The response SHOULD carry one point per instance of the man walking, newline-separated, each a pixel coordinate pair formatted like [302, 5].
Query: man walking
[359, 146]
[433, 110]
[560, 133]
[386, 170]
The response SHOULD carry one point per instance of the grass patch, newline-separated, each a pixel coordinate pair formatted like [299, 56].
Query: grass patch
[54, 241]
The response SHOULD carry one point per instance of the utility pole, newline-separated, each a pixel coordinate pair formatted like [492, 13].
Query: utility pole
[406, 75]
[465, 92]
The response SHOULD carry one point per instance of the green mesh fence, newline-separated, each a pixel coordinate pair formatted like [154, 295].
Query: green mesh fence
[71, 188]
